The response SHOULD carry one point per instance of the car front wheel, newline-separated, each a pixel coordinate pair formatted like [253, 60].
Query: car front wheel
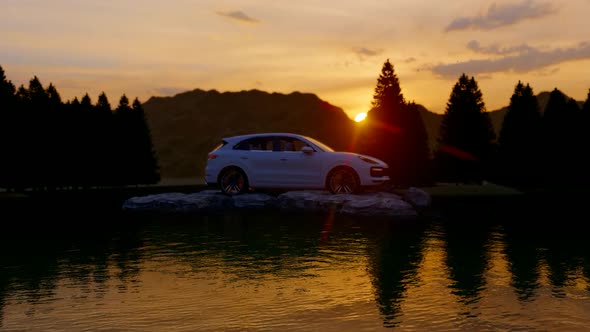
[343, 181]
[233, 181]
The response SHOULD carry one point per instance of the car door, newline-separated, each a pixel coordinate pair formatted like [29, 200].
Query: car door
[297, 169]
[255, 156]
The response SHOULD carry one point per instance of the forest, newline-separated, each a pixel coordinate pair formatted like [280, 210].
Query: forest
[535, 149]
[47, 143]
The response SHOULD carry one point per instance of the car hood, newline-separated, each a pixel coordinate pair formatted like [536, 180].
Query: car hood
[352, 155]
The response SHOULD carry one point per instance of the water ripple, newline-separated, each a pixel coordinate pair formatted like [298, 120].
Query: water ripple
[260, 273]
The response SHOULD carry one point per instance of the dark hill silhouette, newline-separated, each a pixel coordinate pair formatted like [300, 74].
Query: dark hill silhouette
[187, 126]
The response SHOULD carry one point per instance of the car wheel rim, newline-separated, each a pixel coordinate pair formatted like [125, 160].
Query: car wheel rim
[343, 182]
[232, 182]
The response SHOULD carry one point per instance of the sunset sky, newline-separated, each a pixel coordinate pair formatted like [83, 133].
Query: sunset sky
[334, 49]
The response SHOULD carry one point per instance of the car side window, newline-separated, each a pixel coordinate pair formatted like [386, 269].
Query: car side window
[243, 145]
[298, 144]
[288, 144]
[254, 144]
[275, 143]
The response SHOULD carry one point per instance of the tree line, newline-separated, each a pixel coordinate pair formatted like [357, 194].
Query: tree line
[47, 144]
[534, 149]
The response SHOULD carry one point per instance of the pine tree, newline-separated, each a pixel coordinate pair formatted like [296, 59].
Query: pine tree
[466, 136]
[382, 127]
[55, 139]
[86, 104]
[76, 104]
[54, 99]
[394, 132]
[586, 107]
[36, 142]
[574, 146]
[123, 119]
[7, 90]
[557, 140]
[76, 146]
[38, 95]
[102, 141]
[7, 131]
[388, 92]
[519, 141]
[136, 159]
[585, 142]
[22, 94]
[417, 154]
[87, 135]
[103, 104]
[146, 161]
[123, 104]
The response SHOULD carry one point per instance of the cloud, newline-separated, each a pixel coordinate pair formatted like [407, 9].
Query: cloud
[520, 59]
[238, 15]
[363, 52]
[495, 49]
[502, 15]
[410, 60]
[548, 72]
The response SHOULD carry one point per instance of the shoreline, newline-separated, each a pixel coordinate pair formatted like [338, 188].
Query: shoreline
[443, 196]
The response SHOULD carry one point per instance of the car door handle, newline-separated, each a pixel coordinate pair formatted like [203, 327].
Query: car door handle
[284, 159]
[244, 158]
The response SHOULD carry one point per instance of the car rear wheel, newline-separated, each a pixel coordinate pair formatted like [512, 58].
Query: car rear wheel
[343, 181]
[233, 181]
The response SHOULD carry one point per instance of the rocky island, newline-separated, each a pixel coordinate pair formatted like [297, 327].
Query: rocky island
[387, 204]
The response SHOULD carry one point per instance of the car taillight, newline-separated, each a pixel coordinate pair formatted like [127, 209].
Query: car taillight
[211, 156]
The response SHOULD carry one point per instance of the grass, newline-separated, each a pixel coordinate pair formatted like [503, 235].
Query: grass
[181, 182]
[486, 189]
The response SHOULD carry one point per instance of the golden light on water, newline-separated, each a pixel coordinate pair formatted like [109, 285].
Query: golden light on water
[360, 117]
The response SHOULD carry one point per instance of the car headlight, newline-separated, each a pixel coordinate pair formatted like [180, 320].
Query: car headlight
[368, 160]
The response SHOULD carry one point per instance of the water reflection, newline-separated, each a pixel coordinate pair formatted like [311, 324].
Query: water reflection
[522, 252]
[566, 253]
[467, 257]
[393, 264]
[270, 249]
[253, 245]
[35, 261]
[559, 249]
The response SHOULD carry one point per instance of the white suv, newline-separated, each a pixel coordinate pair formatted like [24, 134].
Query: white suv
[289, 161]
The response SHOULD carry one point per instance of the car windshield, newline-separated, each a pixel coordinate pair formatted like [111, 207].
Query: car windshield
[321, 145]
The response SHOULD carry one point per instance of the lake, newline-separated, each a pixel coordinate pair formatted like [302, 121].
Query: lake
[479, 267]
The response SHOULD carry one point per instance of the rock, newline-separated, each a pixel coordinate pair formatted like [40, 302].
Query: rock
[309, 200]
[417, 197]
[379, 206]
[367, 204]
[254, 201]
[179, 202]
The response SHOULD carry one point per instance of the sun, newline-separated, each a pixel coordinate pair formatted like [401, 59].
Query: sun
[360, 117]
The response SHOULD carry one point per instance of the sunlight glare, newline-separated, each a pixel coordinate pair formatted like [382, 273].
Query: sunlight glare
[360, 117]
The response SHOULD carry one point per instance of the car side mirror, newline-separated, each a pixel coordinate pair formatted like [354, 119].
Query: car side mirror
[307, 149]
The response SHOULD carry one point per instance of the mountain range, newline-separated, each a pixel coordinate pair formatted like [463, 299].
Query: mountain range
[185, 127]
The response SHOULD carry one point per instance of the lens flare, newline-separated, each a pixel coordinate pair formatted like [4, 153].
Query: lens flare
[360, 117]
